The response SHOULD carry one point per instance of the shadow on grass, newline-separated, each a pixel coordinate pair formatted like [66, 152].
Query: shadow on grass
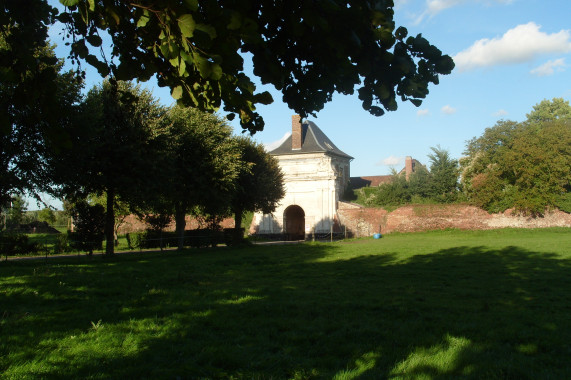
[292, 312]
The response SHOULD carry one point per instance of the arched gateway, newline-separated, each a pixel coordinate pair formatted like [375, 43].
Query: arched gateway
[315, 173]
[294, 222]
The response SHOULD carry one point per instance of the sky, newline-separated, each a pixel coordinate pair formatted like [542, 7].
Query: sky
[509, 56]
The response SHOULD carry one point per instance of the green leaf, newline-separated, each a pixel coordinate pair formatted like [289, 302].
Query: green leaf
[401, 33]
[143, 20]
[165, 50]
[94, 40]
[68, 3]
[182, 68]
[235, 21]
[91, 5]
[177, 92]
[264, 98]
[187, 25]
[216, 72]
[111, 12]
[203, 66]
[208, 29]
[101, 67]
[191, 4]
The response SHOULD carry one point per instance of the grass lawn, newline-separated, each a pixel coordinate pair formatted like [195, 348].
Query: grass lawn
[437, 305]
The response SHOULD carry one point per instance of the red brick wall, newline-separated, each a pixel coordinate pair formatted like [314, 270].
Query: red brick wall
[133, 224]
[367, 221]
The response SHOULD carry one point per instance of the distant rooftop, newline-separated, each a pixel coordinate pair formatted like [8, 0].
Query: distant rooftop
[313, 140]
[369, 181]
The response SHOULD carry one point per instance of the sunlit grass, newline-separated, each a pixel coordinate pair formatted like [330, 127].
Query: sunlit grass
[449, 304]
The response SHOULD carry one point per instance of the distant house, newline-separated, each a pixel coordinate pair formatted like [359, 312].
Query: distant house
[316, 173]
[411, 165]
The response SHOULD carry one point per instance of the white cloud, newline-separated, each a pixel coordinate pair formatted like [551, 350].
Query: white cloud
[549, 67]
[423, 112]
[433, 7]
[391, 161]
[400, 3]
[500, 113]
[436, 6]
[520, 44]
[448, 110]
[274, 144]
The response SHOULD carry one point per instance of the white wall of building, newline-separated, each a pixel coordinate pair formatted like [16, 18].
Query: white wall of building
[314, 182]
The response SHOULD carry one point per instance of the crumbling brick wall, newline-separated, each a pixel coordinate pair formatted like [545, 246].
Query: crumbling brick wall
[361, 221]
[133, 224]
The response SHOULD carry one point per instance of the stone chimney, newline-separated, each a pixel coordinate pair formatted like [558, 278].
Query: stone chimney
[296, 132]
[408, 166]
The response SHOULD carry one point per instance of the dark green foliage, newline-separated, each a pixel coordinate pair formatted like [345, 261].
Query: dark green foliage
[15, 213]
[158, 222]
[198, 161]
[152, 239]
[197, 238]
[443, 178]
[439, 185]
[420, 183]
[259, 185]
[365, 196]
[306, 50]
[12, 244]
[36, 98]
[111, 150]
[62, 244]
[396, 192]
[89, 222]
[47, 215]
[525, 165]
[563, 202]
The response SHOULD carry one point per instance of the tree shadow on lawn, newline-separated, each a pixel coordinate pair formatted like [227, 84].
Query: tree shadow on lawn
[293, 312]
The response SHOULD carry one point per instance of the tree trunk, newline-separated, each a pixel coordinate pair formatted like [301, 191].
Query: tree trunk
[180, 214]
[110, 223]
[237, 235]
[238, 218]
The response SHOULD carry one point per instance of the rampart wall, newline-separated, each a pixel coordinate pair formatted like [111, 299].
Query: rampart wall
[361, 221]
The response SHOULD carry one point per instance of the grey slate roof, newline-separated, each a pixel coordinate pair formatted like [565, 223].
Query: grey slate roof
[313, 140]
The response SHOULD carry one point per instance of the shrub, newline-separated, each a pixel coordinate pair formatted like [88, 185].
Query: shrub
[89, 222]
[17, 244]
[233, 236]
[563, 202]
[62, 244]
[153, 239]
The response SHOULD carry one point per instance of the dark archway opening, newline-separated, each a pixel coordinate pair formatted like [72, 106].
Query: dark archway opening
[294, 222]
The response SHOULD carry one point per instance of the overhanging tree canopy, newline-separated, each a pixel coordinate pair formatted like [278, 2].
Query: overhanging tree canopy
[308, 50]
[36, 97]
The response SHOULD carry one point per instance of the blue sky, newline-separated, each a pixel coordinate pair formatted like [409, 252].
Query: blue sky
[509, 54]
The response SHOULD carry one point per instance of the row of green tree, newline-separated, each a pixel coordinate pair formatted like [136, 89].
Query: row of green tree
[525, 166]
[118, 141]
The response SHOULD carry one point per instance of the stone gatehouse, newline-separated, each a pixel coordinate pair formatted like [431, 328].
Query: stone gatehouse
[316, 173]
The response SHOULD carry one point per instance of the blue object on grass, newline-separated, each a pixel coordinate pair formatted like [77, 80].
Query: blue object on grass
[377, 236]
